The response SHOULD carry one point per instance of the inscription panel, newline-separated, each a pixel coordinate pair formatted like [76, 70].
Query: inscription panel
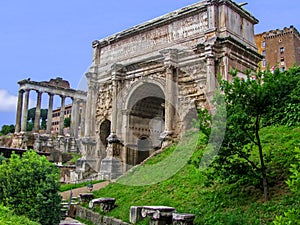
[155, 39]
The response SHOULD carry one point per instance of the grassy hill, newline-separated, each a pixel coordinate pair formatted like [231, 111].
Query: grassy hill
[213, 201]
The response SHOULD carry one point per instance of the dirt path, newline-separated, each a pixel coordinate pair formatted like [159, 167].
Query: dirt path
[77, 191]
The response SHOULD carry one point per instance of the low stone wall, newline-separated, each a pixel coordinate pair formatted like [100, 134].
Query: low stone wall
[95, 218]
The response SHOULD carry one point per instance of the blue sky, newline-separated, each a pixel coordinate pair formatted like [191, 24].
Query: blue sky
[48, 39]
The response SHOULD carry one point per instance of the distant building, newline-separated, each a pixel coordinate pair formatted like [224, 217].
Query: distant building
[56, 117]
[280, 48]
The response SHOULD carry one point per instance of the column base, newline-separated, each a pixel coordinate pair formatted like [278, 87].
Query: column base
[111, 168]
[166, 138]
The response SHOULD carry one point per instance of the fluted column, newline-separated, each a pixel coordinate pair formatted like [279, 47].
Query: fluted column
[19, 111]
[170, 61]
[75, 118]
[37, 112]
[50, 112]
[93, 111]
[25, 111]
[62, 115]
[169, 107]
[114, 107]
[87, 129]
[82, 119]
[211, 74]
[117, 70]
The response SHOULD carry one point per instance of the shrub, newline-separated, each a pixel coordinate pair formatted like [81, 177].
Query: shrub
[29, 185]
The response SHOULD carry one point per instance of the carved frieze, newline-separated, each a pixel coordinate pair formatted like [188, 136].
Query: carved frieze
[104, 101]
[158, 38]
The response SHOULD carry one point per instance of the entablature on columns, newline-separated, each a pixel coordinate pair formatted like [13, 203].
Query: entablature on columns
[44, 87]
[117, 72]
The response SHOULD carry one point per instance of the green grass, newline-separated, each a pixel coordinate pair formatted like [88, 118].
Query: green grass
[8, 217]
[67, 187]
[87, 222]
[218, 204]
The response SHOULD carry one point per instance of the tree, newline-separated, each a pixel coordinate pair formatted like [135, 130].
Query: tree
[31, 118]
[29, 126]
[250, 105]
[292, 216]
[6, 129]
[67, 121]
[29, 185]
[44, 115]
[286, 97]
[2, 158]
[246, 101]
[31, 114]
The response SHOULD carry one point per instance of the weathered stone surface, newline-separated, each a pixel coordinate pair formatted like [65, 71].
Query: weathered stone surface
[159, 215]
[146, 83]
[96, 218]
[86, 197]
[105, 204]
[183, 219]
[135, 214]
[111, 168]
[152, 77]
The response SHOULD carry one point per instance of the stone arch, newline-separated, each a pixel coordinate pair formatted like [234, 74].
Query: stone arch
[104, 131]
[160, 83]
[145, 119]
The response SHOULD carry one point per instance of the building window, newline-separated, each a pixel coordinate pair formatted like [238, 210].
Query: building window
[264, 53]
[264, 63]
[281, 50]
[263, 44]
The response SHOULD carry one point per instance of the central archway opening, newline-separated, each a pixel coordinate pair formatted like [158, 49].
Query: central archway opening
[146, 120]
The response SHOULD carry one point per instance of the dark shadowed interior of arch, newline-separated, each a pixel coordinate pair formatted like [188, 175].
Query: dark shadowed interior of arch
[146, 122]
[104, 132]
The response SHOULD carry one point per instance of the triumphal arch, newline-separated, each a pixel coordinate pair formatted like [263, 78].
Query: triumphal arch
[146, 83]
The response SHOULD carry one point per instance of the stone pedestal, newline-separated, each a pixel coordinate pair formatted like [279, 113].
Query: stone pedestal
[72, 145]
[166, 138]
[106, 204]
[183, 219]
[159, 215]
[86, 197]
[88, 165]
[111, 168]
[135, 214]
[85, 168]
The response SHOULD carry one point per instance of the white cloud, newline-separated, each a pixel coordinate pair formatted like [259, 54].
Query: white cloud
[8, 102]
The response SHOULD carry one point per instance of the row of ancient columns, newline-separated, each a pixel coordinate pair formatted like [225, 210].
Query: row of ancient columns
[22, 113]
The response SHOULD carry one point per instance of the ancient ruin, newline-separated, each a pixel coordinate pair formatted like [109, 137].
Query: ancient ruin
[146, 83]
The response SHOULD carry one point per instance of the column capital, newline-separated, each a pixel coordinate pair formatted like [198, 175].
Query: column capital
[170, 57]
[116, 71]
[63, 96]
[210, 60]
